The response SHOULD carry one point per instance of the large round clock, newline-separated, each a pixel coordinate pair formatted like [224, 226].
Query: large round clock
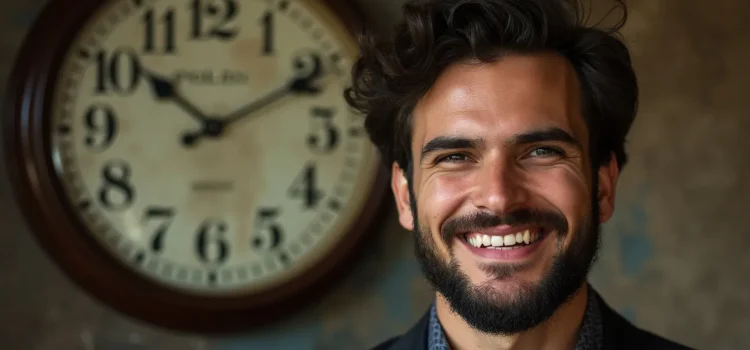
[193, 163]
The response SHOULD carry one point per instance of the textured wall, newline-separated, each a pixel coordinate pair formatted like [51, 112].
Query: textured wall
[674, 256]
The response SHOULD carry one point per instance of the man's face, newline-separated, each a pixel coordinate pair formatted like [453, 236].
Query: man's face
[505, 205]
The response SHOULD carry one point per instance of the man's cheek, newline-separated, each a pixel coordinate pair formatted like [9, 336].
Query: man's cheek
[569, 195]
[564, 189]
[442, 197]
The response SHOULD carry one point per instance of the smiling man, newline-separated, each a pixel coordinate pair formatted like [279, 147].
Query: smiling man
[504, 122]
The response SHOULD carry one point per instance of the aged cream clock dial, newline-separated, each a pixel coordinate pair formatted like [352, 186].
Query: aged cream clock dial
[193, 162]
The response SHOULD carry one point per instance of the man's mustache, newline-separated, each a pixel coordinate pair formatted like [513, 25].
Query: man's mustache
[482, 220]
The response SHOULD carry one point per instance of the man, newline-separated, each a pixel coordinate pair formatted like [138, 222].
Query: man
[504, 122]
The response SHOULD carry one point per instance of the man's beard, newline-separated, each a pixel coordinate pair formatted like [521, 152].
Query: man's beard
[486, 309]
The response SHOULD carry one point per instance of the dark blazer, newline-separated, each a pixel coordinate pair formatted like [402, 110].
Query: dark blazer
[619, 334]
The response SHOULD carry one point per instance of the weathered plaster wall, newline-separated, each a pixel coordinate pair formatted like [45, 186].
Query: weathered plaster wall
[675, 256]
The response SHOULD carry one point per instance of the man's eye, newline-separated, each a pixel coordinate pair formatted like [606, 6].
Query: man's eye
[452, 158]
[545, 151]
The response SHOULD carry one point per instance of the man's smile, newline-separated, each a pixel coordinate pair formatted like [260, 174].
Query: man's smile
[510, 243]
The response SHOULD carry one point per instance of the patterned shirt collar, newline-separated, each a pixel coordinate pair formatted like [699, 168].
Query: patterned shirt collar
[590, 336]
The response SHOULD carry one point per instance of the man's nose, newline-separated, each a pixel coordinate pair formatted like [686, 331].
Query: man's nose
[499, 186]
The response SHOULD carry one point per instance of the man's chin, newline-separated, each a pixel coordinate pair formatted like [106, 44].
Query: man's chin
[507, 289]
[506, 295]
[502, 298]
[501, 307]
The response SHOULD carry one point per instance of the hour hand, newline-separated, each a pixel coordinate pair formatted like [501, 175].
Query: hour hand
[165, 90]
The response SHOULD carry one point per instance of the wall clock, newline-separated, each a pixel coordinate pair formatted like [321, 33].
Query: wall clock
[193, 163]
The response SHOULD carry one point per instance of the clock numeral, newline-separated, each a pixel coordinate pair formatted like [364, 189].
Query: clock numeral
[119, 72]
[211, 244]
[269, 234]
[163, 216]
[151, 23]
[267, 22]
[324, 136]
[101, 125]
[116, 193]
[224, 10]
[309, 65]
[305, 187]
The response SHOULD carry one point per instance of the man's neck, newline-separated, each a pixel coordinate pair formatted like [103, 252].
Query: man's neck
[560, 332]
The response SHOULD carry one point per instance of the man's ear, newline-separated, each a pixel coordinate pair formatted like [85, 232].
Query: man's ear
[400, 187]
[608, 176]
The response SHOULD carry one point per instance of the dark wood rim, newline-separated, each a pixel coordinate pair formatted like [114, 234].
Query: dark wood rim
[62, 235]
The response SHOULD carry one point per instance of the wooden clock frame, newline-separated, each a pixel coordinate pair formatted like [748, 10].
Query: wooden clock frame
[60, 232]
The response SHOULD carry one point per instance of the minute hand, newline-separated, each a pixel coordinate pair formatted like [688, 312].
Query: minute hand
[296, 85]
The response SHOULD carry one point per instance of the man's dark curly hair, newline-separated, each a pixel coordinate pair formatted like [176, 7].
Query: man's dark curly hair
[392, 74]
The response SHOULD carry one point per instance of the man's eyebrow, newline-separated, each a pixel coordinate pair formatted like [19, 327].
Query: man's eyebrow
[449, 142]
[551, 134]
[441, 143]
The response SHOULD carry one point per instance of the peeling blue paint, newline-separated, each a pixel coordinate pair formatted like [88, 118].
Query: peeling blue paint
[636, 250]
[636, 247]
[634, 241]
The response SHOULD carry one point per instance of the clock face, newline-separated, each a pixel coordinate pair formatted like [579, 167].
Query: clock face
[207, 145]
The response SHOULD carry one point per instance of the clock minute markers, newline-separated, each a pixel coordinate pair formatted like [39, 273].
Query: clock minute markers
[85, 54]
[140, 257]
[212, 278]
[284, 259]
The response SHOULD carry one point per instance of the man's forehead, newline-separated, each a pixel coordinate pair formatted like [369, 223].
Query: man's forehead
[515, 94]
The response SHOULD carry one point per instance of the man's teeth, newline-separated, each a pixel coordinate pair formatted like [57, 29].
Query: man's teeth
[479, 240]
